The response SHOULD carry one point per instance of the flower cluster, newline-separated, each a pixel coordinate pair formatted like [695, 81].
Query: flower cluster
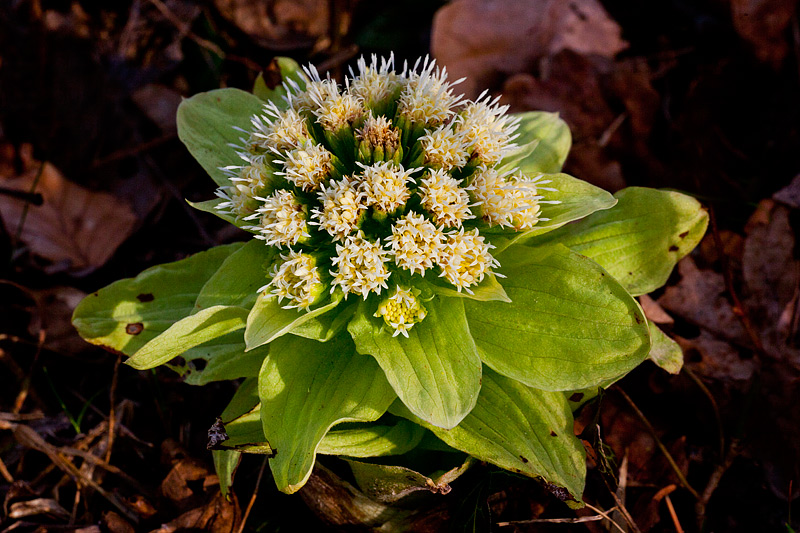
[372, 185]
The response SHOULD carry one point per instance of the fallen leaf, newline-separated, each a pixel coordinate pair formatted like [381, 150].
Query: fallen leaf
[763, 23]
[281, 24]
[789, 195]
[487, 41]
[75, 226]
[216, 516]
[653, 311]
[160, 104]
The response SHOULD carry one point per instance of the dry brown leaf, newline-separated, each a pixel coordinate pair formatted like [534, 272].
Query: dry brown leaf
[653, 311]
[160, 104]
[278, 24]
[763, 23]
[789, 195]
[76, 227]
[217, 516]
[716, 359]
[487, 40]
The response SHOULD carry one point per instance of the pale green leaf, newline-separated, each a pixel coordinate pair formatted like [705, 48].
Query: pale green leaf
[436, 371]
[222, 358]
[569, 325]
[665, 352]
[487, 290]
[225, 464]
[286, 68]
[305, 388]
[206, 125]
[188, 333]
[544, 142]
[268, 320]
[127, 314]
[576, 198]
[372, 440]
[239, 277]
[521, 429]
[641, 239]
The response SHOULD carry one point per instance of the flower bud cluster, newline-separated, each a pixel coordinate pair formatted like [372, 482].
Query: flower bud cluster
[371, 185]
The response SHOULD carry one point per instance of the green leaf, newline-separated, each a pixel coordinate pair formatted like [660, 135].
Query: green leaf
[487, 290]
[268, 320]
[244, 399]
[577, 200]
[436, 371]
[283, 68]
[127, 314]
[519, 428]
[665, 352]
[192, 331]
[209, 206]
[238, 279]
[570, 324]
[641, 239]
[206, 123]
[225, 358]
[372, 440]
[305, 388]
[225, 464]
[246, 433]
[544, 142]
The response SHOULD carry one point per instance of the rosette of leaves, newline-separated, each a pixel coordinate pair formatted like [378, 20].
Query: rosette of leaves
[419, 266]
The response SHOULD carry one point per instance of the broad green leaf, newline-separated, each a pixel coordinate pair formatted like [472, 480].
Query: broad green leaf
[279, 70]
[127, 314]
[268, 320]
[225, 464]
[239, 277]
[486, 291]
[185, 334]
[550, 139]
[390, 483]
[577, 200]
[372, 440]
[219, 359]
[665, 352]
[641, 239]
[569, 325]
[305, 388]
[206, 125]
[519, 428]
[246, 434]
[436, 371]
[209, 206]
[244, 400]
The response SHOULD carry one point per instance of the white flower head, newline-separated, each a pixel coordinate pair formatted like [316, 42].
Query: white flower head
[415, 243]
[444, 148]
[465, 259]
[487, 130]
[278, 130]
[237, 200]
[428, 97]
[282, 219]
[444, 198]
[338, 111]
[341, 210]
[506, 201]
[385, 185]
[378, 131]
[402, 310]
[307, 167]
[374, 83]
[296, 277]
[360, 266]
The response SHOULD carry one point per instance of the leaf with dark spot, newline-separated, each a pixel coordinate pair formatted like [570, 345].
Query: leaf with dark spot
[145, 297]
[134, 329]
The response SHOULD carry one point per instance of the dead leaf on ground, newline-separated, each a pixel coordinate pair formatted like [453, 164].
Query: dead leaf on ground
[77, 229]
[487, 41]
[763, 23]
[278, 24]
[160, 104]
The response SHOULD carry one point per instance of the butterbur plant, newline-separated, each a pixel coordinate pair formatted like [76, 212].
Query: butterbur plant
[418, 269]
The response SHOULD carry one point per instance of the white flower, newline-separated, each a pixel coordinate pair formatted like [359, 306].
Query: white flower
[428, 98]
[296, 278]
[237, 200]
[282, 219]
[385, 185]
[379, 132]
[510, 202]
[415, 243]
[444, 198]
[307, 167]
[375, 84]
[278, 130]
[444, 148]
[341, 209]
[401, 310]
[360, 266]
[338, 111]
[486, 129]
[465, 259]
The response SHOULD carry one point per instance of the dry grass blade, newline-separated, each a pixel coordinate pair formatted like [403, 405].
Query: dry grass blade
[576, 520]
